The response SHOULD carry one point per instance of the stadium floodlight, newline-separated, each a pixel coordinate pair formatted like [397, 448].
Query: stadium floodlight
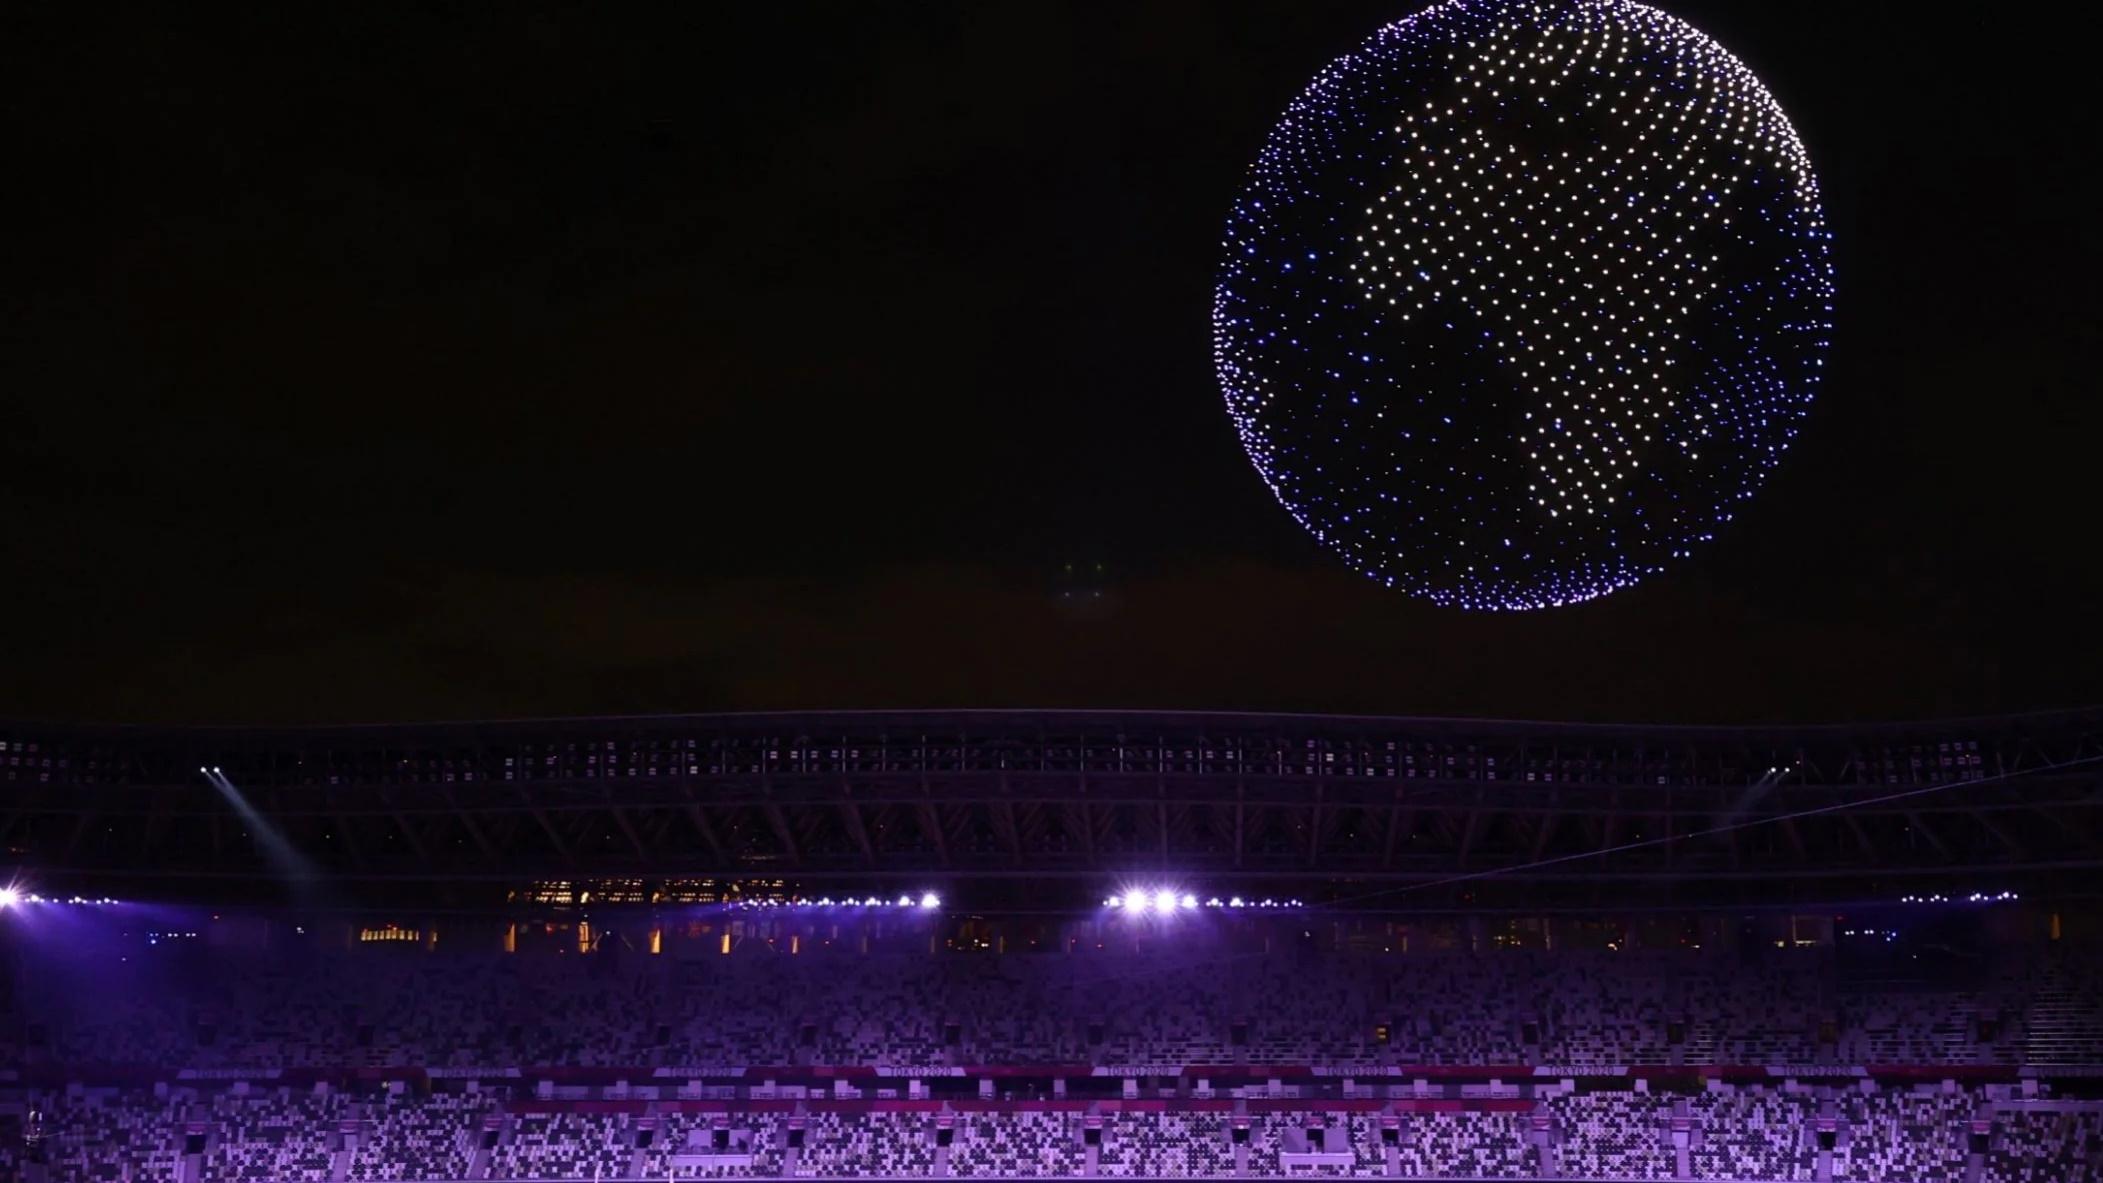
[930, 900]
[9, 897]
[1164, 901]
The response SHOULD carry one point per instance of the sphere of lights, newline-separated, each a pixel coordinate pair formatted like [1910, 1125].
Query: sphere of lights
[1524, 300]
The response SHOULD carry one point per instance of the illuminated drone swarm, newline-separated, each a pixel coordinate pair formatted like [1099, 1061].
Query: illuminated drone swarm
[1523, 300]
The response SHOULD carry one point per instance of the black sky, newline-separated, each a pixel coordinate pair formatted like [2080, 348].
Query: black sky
[366, 363]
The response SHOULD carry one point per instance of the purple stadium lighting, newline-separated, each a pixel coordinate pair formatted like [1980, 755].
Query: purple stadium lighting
[1168, 901]
[1524, 301]
[13, 896]
[1150, 900]
[927, 901]
[1977, 897]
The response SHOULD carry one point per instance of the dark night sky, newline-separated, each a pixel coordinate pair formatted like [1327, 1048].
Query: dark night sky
[361, 363]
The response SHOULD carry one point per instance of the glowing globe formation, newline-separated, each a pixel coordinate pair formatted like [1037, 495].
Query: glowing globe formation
[1524, 300]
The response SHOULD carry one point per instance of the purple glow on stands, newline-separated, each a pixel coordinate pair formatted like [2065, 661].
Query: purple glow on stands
[1524, 301]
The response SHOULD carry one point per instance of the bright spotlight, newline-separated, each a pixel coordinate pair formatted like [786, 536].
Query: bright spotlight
[9, 897]
[905, 901]
[1164, 901]
[1115, 901]
[1190, 901]
[930, 900]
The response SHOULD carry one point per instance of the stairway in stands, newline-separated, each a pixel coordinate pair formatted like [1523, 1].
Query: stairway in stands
[2063, 1023]
[1953, 1034]
[1703, 1036]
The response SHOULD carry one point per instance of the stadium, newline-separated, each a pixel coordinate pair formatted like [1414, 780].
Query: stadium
[964, 592]
[990, 945]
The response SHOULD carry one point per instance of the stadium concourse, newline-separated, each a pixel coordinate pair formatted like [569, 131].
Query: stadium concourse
[989, 945]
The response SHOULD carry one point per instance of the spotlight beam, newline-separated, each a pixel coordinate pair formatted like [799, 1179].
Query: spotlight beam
[283, 857]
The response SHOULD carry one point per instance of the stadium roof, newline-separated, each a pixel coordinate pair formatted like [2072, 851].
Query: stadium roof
[1435, 812]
